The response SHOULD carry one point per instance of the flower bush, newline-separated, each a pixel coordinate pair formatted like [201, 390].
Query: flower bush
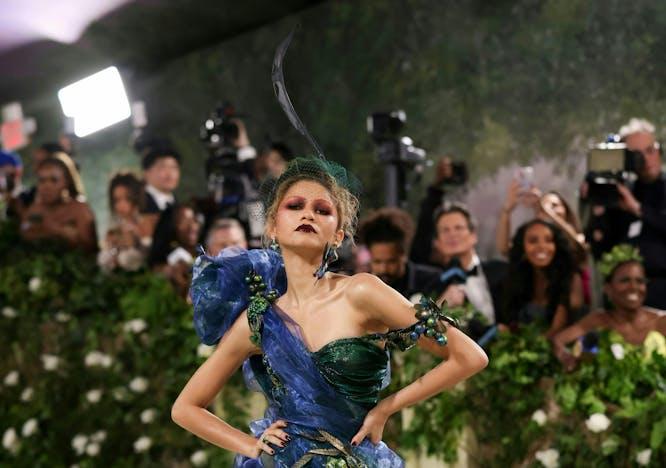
[611, 411]
[91, 364]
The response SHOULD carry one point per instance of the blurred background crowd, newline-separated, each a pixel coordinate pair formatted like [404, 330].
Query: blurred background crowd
[544, 271]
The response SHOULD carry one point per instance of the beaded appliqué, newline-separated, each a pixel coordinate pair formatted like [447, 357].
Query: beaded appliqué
[432, 321]
[339, 455]
[260, 300]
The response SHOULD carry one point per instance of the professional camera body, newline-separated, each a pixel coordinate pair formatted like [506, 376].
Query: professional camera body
[397, 153]
[384, 129]
[609, 164]
[232, 186]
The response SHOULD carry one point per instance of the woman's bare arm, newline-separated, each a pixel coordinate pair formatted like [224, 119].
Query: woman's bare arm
[464, 357]
[559, 321]
[585, 325]
[576, 297]
[503, 234]
[189, 410]
[84, 234]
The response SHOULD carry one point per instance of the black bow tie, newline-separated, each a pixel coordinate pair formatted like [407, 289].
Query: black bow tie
[474, 271]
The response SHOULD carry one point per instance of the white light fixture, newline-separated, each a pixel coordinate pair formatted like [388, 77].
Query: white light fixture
[95, 102]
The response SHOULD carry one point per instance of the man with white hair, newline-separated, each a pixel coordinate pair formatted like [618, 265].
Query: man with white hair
[640, 216]
[223, 233]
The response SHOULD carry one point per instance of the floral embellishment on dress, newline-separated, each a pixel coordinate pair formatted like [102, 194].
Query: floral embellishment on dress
[432, 320]
[339, 455]
[260, 299]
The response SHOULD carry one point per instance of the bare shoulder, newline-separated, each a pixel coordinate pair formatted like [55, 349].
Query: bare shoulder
[364, 286]
[657, 319]
[596, 319]
[79, 208]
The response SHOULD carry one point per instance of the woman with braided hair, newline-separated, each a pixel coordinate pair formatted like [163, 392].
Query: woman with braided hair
[313, 342]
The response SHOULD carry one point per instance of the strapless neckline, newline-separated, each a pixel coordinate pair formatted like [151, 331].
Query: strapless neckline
[362, 339]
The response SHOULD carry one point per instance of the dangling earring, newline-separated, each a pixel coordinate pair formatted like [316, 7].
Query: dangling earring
[330, 255]
[274, 246]
[64, 195]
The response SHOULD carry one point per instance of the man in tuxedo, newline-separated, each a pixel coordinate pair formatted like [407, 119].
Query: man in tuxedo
[161, 174]
[465, 277]
[387, 233]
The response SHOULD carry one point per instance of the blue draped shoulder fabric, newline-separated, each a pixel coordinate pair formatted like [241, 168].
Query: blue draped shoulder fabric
[324, 395]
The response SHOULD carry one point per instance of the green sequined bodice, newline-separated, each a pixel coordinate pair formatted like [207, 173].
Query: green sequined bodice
[355, 367]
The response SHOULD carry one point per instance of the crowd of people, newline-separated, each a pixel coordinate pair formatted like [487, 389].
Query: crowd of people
[546, 274]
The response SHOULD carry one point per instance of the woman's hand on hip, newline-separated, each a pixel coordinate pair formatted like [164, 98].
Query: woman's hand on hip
[272, 435]
[372, 428]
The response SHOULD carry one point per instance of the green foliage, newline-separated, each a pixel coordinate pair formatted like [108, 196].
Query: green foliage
[112, 335]
[499, 405]
[57, 304]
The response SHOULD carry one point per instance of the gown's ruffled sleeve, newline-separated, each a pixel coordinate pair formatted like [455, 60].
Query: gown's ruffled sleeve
[220, 291]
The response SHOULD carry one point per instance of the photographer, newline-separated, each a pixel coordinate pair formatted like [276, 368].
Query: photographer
[639, 217]
[448, 174]
[233, 174]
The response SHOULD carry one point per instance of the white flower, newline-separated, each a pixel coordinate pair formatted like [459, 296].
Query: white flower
[539, 417]
[204, 350]
[92, 449]
[130, 259]
[8, 312]
[199, 458]
[142, 444]
[50, 362]
[34, 284]
[643, 457]
[12, 378]
[138, 384]
[62, 317]
[27, 393]
[598, 422]
[79, 443]
[618, 350]
[93, 396]
[148, 415]
[99, 436]
[548, 458]
[10, 440]
[135, 326]
[120, 393]
[98, 359]
[29, 427]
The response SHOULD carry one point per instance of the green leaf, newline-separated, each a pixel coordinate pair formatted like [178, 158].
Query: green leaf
[567, 396]
[657, 434]
[610, 445]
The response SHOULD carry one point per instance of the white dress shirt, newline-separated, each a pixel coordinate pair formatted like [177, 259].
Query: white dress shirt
[477, 290]
[162, 199]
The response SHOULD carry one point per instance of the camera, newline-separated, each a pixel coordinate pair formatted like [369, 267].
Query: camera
[609, 164]
[397, 153]
[220, 134]
[232, 185]
[384, 129]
